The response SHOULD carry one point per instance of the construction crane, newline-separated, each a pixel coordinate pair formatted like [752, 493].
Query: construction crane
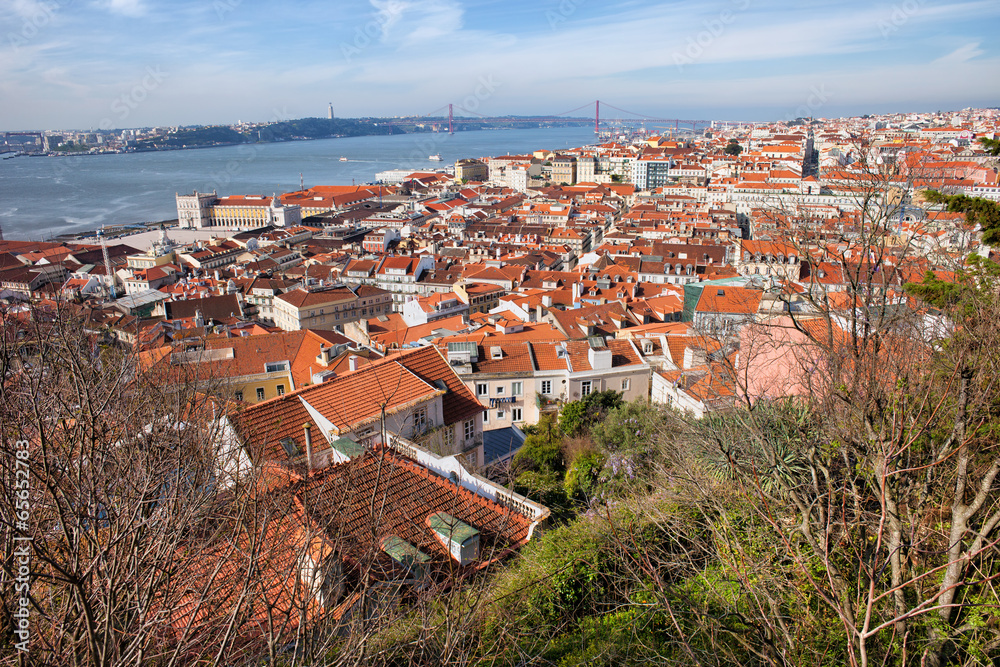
[665, 127]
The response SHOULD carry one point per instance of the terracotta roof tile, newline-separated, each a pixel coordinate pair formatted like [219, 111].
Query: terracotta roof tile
[355, 399]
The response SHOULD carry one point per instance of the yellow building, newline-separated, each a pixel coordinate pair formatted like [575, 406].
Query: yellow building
[258, 368]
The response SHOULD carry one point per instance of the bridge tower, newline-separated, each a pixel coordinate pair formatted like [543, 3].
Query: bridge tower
[451, 129]
[597, 117]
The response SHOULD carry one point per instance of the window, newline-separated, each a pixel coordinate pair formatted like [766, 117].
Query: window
[499, 389]
[486, 416]
[260, 393]
[239, 396]
[626, 384]
[448, 436]
[482, 389]
[501, 414]
[585, 388]
[515, 414]
[516, 388]
[419, 420]
[281, 390]
[470, 429]
[546, 387]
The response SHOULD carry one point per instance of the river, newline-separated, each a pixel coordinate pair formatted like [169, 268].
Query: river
[41, 197]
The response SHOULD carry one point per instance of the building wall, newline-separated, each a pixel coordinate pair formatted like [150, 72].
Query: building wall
[271, 385]
[665, 393]
[471, 170]
[564, 171]
[327, 315]
[637, 378]
[562, 386]
[499, 386]
[192, 210]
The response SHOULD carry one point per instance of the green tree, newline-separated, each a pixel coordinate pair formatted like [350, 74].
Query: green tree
[542, 449]
[978, 211]
[582, 477]
[629, 427]
[733, 148]
[992, 146]
[578, 416]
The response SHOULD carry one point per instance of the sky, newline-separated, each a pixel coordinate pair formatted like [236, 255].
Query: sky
[88, 64]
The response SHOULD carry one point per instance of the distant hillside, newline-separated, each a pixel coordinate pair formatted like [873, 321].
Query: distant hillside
[319, 128]
[202, 136]
[322, 128]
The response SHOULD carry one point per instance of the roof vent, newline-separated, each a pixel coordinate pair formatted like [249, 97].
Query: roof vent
[496, 352]
[461, 539]
[413, 559]
[721, 292]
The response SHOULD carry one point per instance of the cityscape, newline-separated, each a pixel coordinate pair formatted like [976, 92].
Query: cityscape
[551, 382]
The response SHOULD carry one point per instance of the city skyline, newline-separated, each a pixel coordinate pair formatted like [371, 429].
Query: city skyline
[146, 63]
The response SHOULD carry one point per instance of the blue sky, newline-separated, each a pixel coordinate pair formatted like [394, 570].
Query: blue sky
[129, 63]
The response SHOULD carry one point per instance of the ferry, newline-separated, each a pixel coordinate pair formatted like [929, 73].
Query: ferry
[436, 158]
[343, 159]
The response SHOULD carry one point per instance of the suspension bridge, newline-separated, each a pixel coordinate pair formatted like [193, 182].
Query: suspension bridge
[618, 118]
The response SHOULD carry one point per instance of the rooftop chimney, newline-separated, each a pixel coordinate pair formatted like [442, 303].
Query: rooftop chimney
[309, 445]
[326, 354]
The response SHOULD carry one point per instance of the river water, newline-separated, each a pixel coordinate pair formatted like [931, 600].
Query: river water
[41, 197]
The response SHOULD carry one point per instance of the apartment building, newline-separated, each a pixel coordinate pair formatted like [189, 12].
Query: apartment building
[328, 307]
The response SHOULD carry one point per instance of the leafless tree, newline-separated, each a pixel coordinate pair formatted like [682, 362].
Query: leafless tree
[882, 497]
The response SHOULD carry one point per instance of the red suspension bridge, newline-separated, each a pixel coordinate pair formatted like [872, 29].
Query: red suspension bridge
[630, 118]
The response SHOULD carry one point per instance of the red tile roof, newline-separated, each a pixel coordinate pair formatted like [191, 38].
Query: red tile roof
[355, 399]
[381, 494]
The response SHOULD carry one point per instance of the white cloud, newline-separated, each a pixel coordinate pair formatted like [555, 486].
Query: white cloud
[132, 8]
[30, 10]
[410, 22]
[960, 55]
